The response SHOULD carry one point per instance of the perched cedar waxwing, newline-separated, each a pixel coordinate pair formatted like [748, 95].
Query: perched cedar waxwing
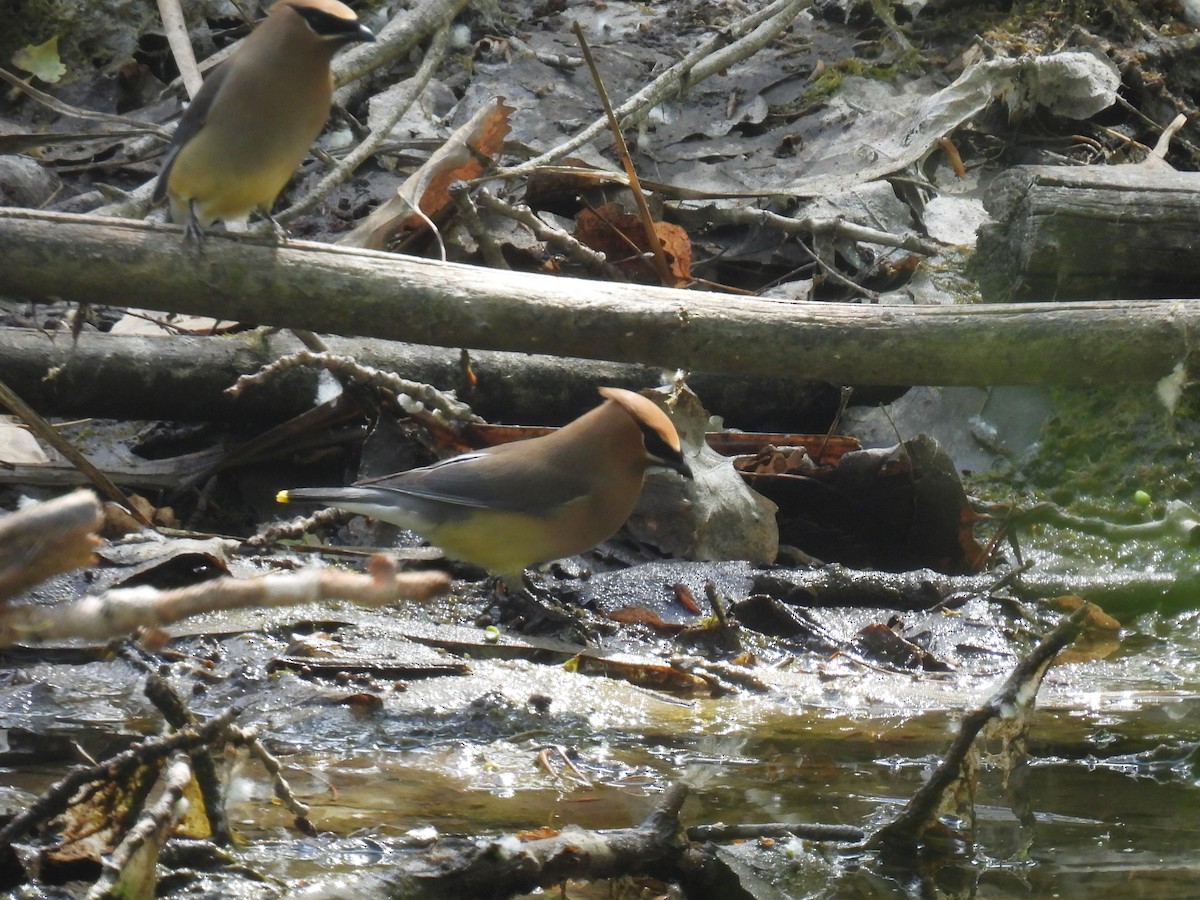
[257, 115]
[513, 505]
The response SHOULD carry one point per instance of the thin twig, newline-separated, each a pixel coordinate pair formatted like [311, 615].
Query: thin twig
[77, 112]
[283, 790]
[1163, 144]
[152, 829]
[594, 262]
[176, 30]
[547, 57]
[407, 29]
[834, 275]
[169, 703]
[56, 798]
[43, 430]
[824, 227]
[639, 197]
[460, 193]
[444, 404]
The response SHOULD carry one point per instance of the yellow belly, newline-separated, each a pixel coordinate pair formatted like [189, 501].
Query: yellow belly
[506, 543]
[225, 191]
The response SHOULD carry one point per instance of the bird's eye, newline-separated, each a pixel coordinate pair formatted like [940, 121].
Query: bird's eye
[656, 446]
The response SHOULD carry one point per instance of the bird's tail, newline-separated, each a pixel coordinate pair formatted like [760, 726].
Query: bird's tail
[367, 501]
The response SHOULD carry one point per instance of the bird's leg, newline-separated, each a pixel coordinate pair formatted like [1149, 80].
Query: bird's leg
[193, 233]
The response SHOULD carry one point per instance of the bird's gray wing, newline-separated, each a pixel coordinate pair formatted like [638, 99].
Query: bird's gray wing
[192, 121]
[497, 478]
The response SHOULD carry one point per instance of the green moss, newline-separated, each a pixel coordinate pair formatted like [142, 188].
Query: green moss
[1107, 444]
[821, 88]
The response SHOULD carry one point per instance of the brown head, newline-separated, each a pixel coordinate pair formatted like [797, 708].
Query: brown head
[659, 436]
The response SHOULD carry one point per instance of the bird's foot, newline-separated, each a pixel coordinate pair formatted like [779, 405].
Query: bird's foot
[537, 610]
[280, 233]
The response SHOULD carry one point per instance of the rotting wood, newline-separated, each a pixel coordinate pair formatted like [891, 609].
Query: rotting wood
[356, 292]
[1073, 233]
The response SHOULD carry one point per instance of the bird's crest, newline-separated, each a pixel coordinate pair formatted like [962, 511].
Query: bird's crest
[645, 413]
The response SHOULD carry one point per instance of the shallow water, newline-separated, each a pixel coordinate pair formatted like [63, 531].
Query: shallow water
[1112, 783]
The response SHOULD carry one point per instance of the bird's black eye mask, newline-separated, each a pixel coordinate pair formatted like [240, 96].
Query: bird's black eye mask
[328, 25]
[663, 453]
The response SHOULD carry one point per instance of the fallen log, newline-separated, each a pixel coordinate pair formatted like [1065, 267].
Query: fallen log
[184, 377]
[357, 292]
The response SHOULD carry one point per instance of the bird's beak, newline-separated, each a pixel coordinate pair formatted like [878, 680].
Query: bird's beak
[675, 464]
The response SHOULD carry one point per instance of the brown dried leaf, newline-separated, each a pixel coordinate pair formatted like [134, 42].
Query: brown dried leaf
[646, 673]
[1099, 637]
[621, 237]
[640, 615]
[685, 598]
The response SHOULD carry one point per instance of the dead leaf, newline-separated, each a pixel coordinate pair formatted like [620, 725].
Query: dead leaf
[823, 449]
[640, 615]
[538, 834]
[42, 61]
[644, 672]
[772, 460]
[1099, 636]
[194, 823]
[889, 646]
[685, 598]
[621, 237]
[17, 446]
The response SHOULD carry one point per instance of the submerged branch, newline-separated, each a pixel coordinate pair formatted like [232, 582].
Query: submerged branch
[55, 800]
[455, 867]
[899, 839]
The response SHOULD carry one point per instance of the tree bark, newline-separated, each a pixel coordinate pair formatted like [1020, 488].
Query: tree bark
[357, 292]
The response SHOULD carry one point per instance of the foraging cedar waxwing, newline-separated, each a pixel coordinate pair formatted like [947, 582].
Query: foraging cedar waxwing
[257, 115]
[513, 505]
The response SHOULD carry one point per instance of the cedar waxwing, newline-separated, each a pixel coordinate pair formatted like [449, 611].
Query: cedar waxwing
[257, 115]
[511, 506]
